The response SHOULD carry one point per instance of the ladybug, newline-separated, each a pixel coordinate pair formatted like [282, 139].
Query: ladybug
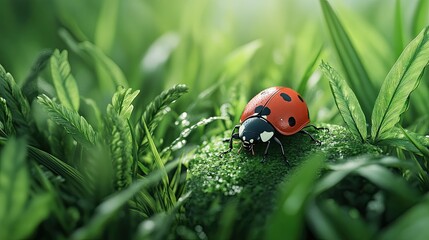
[275, 110]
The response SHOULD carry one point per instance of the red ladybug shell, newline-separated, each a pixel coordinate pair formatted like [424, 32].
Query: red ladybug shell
[282, 107]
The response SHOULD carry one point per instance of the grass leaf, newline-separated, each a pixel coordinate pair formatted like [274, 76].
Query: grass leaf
[421, 16]
[353, 67]
[71, 121]
[347, 103]
[105, 30]
[64, 82]
[288, 219]
[402, 79]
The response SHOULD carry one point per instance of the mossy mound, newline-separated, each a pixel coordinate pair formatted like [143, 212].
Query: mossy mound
[241, 183]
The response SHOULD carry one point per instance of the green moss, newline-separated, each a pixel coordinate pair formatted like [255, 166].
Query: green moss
[251, 185]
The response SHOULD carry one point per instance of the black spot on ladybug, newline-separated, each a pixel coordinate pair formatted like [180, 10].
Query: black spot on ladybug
[300, 98]
[261, 110]
[285, 97]
[292, 121]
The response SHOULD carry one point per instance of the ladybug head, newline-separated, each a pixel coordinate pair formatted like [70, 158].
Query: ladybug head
[253, 130]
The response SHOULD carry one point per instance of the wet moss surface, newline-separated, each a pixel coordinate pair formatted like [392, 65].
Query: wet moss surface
[240, 182]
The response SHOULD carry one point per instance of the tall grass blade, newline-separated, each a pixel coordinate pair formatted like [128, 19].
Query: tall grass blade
[30, 88]
[356, 74]
[347, 103]
[158, 162]
[312, 65]
[64, 82]
[402, 79]
[105, 30]
[421, 16]
[287, 220]
[399, 29]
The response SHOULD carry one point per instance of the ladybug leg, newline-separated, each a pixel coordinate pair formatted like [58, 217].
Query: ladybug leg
[233, 136]
[311, 136]
[283, 151]
[264, 158]
[317, 128]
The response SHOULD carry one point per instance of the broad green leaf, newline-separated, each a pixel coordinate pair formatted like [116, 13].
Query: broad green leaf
[347, 103]
[64, 82]
[398, 138]
[287, 219]
[418, 143]
[108, 209]
[331, 221]
[402, 79]
[71, 121]
[356, 74]
[385, 179]
[37, 210]
[411, 225]
[14, 182]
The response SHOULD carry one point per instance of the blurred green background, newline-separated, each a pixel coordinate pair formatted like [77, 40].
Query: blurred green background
[160, 43]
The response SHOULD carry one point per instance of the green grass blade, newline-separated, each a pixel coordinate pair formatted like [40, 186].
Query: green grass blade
[414, 140]
[105, 30]
[399, 29]
[30, 88]
[237, 59]
[70, 174]
[402, 79]
[356, 74]
[108, 71]
[288, 219]
[421, 16]
[347, 103]
[158, 162]
[64, 83]
[312, 65]
[71, 121]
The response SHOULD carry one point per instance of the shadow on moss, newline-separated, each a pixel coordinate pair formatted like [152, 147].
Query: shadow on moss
[241, 190]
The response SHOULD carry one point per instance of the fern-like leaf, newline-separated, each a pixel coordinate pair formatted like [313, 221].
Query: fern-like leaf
[64, 82]
[6, 119]
[402, 79]
[155, 110]
[15, 101]
[119, 136]
[71, 121]
[347, 103]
